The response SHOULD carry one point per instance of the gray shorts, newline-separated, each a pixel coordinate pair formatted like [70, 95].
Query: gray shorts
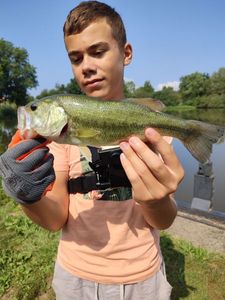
[70, 287]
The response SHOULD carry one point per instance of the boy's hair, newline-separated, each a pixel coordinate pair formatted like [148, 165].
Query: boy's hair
[90, 11]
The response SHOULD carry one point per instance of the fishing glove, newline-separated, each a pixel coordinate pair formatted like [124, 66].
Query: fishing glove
[27, 170]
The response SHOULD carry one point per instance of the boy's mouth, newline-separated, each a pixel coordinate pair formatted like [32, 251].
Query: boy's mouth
[93, 82]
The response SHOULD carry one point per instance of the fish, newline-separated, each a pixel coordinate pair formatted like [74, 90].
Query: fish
[81, 120]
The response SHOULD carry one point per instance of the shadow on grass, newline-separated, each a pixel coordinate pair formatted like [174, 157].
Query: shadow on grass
[175, 269]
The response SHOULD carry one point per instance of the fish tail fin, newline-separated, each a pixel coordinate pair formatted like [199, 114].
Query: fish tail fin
[200, 146]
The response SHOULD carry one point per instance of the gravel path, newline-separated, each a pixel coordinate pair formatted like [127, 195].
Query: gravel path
[202, 232]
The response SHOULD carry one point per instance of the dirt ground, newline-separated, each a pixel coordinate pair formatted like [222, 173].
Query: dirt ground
[201, 231]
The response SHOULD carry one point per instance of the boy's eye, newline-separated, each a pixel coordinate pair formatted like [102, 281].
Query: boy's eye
[98, 53]
[76, 60]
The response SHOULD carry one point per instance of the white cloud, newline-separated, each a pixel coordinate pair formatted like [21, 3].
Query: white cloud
[173, 84]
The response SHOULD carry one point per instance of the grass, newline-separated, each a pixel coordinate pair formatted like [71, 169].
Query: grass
[193, 272]
[27, 255]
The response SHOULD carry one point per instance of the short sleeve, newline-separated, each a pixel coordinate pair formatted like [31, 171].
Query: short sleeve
[60, 153]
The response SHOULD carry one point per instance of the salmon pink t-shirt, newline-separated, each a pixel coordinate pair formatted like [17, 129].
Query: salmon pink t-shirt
[106, 238]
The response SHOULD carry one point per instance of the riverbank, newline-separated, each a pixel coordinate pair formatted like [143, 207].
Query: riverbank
[200, 230]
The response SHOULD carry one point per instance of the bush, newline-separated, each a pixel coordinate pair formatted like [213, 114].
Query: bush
[212, 101]
[8, 112]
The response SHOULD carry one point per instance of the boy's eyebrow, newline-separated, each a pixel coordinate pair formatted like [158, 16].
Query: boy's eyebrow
[98, 45]
[90, 48]
[73, 53]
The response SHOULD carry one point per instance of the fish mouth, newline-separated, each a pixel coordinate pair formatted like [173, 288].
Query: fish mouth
[23, 118]
[24, 124]
[64, 130]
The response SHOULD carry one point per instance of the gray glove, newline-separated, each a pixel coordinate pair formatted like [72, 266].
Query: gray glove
[26, 180]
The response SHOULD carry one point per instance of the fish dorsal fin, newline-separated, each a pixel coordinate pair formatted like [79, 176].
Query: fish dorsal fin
[153, 104]
[86, 133]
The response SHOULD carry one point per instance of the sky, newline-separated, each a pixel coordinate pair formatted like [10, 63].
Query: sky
[170, 39]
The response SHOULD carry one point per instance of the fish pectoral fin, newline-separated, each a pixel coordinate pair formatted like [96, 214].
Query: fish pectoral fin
[86, 133]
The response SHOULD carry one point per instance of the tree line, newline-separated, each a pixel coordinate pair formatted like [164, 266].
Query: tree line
[17, 76]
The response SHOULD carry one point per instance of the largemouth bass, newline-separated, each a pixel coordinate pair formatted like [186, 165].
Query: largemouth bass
[81, 120]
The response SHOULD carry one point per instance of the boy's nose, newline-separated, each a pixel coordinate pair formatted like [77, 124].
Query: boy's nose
[88, 66]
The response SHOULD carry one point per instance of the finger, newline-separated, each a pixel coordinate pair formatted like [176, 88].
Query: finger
[49, 177]
[152, 162]
[135, 180]
[168, 156]
[25, 147]
[163, 148]
[142, 180]
[44, 169]
[46, 183]
[137, 163]
[142, 192]
[34, 159]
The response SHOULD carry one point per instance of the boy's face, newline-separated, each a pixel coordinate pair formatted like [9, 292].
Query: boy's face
[97, 61]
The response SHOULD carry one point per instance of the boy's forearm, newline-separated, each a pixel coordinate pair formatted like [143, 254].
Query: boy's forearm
[160, 214]
[49, 212]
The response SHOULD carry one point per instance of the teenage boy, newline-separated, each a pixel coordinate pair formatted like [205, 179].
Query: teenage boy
[109, 246]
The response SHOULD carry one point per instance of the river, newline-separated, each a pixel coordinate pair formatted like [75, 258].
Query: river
[184, 193]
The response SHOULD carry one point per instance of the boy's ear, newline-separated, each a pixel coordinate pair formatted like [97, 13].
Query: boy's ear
[128, 53]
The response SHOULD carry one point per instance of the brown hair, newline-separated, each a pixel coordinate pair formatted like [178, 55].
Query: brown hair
[89, 11]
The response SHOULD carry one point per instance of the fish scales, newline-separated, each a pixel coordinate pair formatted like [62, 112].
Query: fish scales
[129, 118]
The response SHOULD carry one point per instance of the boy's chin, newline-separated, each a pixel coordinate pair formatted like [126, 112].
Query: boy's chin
[98, 94]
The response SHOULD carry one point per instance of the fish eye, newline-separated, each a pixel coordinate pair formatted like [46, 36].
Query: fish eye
[33, 106]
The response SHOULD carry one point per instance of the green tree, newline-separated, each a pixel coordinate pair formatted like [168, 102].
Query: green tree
[16, 73]
[71, 88]
[144, 91]
[168, 96]
[194, 85]
[129, 89]
[217, 82]
[46, 92]
[59, 89]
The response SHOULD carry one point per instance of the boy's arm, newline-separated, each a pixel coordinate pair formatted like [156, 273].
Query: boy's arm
[51, 212]
[154, 179]
[160, 214]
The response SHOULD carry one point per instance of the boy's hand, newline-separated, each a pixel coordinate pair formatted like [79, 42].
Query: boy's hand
[27, 170]
[152, 177]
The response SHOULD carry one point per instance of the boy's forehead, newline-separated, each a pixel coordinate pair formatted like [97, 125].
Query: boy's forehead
[95, 33]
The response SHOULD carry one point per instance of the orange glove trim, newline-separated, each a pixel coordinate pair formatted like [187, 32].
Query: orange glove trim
[16, 139]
